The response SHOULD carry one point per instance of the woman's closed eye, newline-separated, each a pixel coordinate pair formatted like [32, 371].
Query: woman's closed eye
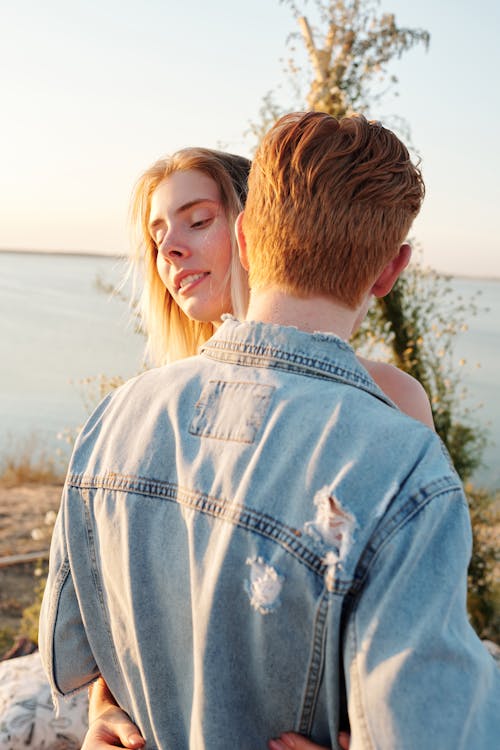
[201, 223]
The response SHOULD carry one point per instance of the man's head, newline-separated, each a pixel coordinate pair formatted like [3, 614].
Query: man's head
[330, 203]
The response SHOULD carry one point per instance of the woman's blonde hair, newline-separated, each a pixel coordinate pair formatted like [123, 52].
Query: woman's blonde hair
[170, 333]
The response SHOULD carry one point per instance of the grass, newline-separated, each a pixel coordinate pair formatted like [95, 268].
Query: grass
[7, 638]
[21, 591]
[484, 570]
[29, 622]
[28, 463]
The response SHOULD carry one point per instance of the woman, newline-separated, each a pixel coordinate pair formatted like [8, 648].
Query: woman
[191, 199]
[184, 208]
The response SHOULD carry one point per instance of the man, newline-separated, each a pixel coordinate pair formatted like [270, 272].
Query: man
[256, 539]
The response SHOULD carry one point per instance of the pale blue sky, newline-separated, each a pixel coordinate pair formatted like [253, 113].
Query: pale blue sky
[93, 91]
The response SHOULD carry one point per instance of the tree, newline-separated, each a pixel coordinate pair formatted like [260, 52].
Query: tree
[352, 55]
[349, 59]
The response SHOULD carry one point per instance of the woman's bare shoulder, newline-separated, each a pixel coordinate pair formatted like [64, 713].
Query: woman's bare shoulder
[406, 392]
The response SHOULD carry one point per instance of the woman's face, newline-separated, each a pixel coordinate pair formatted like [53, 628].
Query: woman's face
[190, 230]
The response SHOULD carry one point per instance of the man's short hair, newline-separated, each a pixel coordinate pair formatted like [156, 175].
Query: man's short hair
[329, 204]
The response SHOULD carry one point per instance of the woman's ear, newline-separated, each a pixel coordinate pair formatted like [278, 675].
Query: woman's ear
[242, 243]
[391, 272]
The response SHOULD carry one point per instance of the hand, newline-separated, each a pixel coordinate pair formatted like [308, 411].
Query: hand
[110, 727]
[292, 741]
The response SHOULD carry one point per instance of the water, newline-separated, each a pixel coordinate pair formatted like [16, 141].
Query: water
[480, 348]
[57, 328]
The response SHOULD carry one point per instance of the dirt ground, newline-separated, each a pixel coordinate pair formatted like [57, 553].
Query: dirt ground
[27, 514]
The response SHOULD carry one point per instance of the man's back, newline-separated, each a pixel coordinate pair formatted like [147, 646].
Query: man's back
[240, 530]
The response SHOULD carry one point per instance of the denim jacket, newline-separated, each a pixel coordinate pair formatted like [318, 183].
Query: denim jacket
[256, 540]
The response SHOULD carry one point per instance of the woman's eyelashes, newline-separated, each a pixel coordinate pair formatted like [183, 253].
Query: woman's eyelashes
[201, 222]
[192, 223]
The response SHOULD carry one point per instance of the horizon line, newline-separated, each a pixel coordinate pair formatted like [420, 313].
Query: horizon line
[43, 251]
[115, 254]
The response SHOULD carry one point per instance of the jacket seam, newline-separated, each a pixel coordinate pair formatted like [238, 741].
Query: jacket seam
[61, 578]
[239, 515]
[316, 666]
[362, 715]
[413, 505]
[96, 577]
[296, 364]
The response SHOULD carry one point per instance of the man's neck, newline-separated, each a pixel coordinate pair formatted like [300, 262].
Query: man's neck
[305, 313]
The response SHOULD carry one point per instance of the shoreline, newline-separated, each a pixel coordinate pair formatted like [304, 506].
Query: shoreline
[65, 253]
[111, 254]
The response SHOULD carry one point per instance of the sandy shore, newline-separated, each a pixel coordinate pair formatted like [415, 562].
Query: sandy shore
[23, 511]
[26, 519]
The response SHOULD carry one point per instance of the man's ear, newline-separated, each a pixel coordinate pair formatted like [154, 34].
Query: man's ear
[389, 275]
[242, 243]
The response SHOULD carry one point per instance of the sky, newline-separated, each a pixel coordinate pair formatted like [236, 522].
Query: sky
[93, 91]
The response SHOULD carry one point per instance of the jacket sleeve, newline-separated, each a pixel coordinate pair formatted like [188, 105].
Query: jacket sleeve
[64, 649]
[417, 674]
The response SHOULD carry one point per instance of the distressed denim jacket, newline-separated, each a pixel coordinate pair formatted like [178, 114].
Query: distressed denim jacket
[256, 540]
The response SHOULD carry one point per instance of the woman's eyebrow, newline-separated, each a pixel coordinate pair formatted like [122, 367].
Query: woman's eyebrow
[192, 203]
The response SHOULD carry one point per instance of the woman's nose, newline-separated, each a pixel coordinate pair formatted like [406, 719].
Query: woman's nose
[172, 248]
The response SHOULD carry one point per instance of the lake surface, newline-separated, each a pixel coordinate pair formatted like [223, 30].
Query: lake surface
[57, 328]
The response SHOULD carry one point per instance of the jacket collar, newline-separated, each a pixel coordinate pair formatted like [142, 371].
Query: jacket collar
[322, 355]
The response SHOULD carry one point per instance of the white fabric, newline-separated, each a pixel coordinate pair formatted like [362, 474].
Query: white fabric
[27, 718]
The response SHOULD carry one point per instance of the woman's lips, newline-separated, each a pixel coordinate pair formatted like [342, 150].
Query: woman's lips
[189, 282]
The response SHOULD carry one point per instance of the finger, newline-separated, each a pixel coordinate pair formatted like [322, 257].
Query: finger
[132, 740]
[119, 727]
[292, 741]
[344, 740]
